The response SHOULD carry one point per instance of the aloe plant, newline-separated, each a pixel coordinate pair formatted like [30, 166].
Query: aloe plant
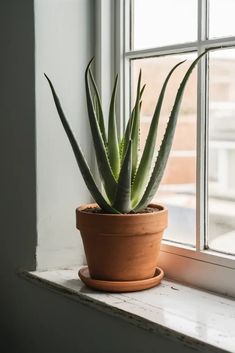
[129, 184]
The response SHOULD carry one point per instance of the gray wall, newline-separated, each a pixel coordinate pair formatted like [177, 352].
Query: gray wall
[33, 319]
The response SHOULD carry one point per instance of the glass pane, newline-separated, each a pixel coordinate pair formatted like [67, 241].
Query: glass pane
[177, 190]
[221, 21]
[221, 166]
[158, 23]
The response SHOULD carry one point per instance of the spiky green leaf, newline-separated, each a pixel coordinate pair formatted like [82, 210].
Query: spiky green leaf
[123, 196]
[132, 129]
[99, 110]
[81, 161]
[127, 134]
[113, 143]
[166, 144]
[104, 167]
[147, 156]
[126, 137]
[96, 107]
[135, 138]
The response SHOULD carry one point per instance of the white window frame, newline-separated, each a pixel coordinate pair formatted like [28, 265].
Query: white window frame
[200, 266]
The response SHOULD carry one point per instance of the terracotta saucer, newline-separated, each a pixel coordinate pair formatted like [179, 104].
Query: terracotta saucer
[120, 286]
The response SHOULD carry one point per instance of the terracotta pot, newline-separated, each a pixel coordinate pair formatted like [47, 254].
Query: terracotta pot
[121, 247]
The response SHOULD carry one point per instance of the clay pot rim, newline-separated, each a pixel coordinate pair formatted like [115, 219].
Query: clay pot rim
[81, 209]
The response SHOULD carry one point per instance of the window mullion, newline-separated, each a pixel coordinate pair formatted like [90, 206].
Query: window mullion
[201, 186]
[122, 37]
[202, 20]
[160, 51]
[119, 54]
[128, 41]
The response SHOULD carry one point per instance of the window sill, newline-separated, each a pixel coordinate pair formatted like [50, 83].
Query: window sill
[199, 319]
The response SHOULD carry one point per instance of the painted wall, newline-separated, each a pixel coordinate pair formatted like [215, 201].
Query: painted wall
[34, 319]
[63, 47]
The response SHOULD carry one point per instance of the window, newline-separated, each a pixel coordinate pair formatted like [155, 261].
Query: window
[198, 186]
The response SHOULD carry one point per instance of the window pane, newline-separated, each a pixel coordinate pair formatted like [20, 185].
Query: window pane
[221, 169]
[177, 190]
[221, 21]
[159, 23]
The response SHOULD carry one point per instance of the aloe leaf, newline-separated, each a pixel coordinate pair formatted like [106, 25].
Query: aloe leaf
[142, 90]
[104, 167]
[121, 149]
[113, 143]
[126, 137]
[122, 201]
[99, 110]
[142, 173]
[96, 107]
[130, 121]
[127, 134]
[81, 161]
[135, 139]
[131, 131]
[135, 128]
[166, 144]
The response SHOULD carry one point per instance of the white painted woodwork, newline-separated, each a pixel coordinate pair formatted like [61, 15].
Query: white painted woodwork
[198, 318]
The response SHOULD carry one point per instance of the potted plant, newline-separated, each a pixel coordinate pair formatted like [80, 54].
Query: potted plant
[122, 232]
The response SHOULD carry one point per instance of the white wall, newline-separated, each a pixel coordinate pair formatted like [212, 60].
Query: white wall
[63, 49]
